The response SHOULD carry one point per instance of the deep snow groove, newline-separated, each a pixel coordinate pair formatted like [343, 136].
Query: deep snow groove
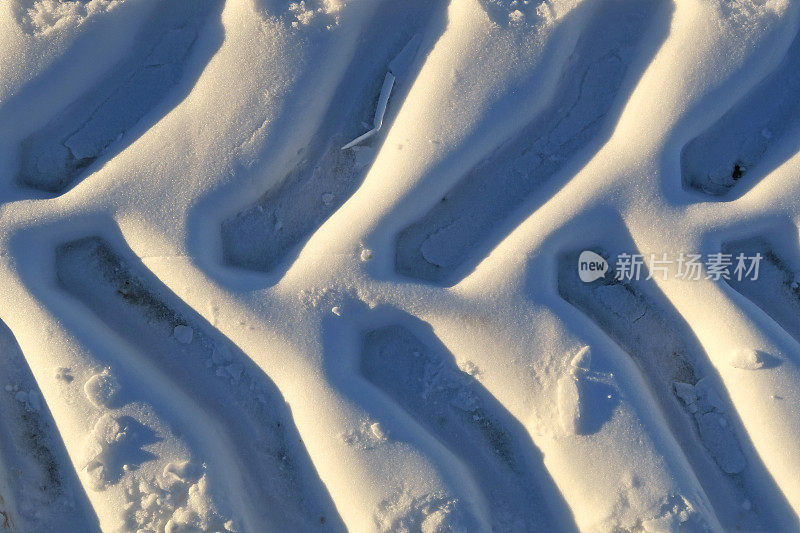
[39, 489]
[460, 226]
[452, 404]
[750, 139]
[777, 289]
[99, 121]
[233, 391]
[693, 403]
[261, 236]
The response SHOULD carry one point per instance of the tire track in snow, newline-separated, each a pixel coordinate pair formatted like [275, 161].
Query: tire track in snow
[39, 489]
[183, 333]
[266, 234]
[458, 230]
[777, 289]
[425, 481]
[609, 428]
[694, 402]
[475, 427]
[181, 468]
[205, 366]
[751, 139]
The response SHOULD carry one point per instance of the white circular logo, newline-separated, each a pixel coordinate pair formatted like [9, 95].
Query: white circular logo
[591, 266]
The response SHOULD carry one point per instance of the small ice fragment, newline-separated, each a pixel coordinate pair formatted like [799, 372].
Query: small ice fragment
[101, 389]
[377, 431]
[183, 334]
[383, 100]
[327, 198]
[685, 392]
[337, 311]
[366, 254]
[746, 359]
[377, 122]
[583, 358]
[21, 396]
[360, 139]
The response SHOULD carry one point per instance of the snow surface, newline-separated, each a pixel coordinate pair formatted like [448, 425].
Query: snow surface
[216, 319]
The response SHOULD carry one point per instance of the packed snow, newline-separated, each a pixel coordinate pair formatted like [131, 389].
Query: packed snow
[314, 265]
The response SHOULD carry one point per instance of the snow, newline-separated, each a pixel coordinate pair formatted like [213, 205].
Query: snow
[102, 389]
[177, 500]
[217, 319]
[102, 450]
[47, 16]
[569, 407]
